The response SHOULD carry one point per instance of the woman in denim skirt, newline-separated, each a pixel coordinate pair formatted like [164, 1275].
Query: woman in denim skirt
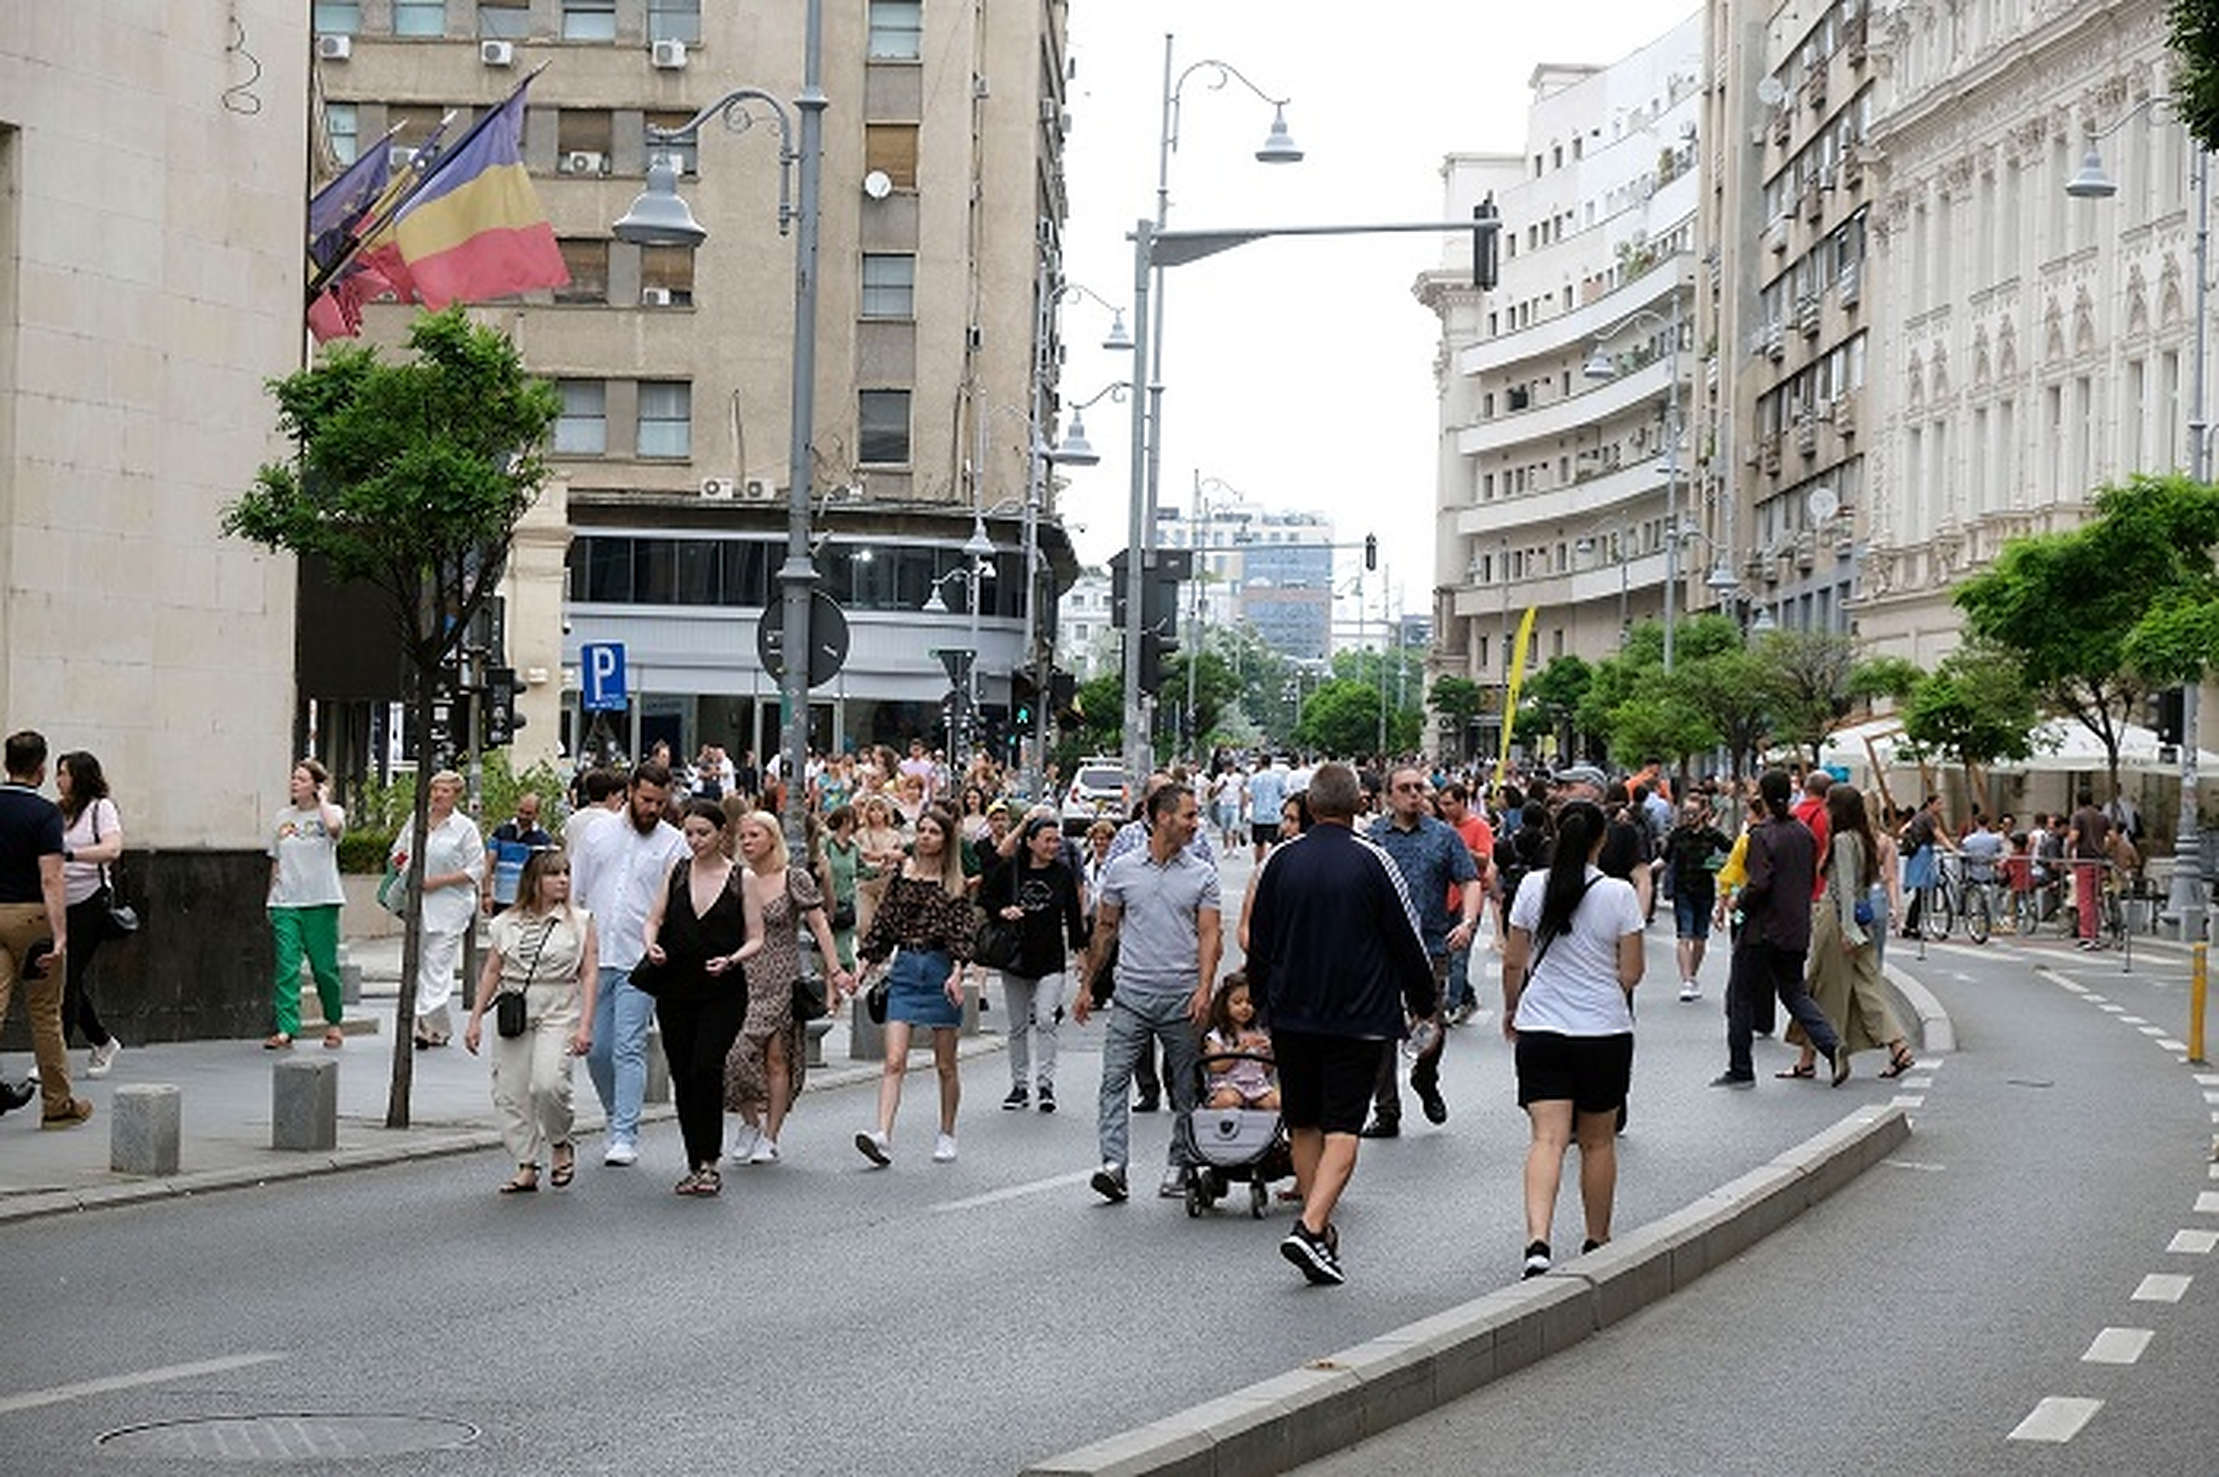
[927, 923]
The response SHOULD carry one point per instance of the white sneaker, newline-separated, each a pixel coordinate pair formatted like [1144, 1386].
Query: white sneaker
[745, 1143]
[1689, 990]
[876, 1147]
[104, 1058]
[765, 1152]
[943, 1149]
[621, 1152]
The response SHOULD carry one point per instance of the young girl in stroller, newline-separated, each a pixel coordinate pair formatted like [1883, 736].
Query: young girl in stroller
[1243, 1079]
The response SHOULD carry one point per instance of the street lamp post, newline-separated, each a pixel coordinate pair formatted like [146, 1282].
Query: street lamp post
[1599, 367]
[660, 218]
[2184, 895]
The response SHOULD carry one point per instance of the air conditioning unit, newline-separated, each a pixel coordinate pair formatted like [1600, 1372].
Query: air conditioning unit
[717, 488]
[585, 161]
[334, 48]
[759, 490]
[497, 53]
[668, 55]
[659, 297]
[400, 156]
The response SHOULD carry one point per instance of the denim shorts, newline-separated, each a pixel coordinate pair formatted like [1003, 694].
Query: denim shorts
[1691, 913]
[917, 989]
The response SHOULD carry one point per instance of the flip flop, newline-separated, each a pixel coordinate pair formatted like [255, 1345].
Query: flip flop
[522, 1186]
[1901, 1062]
[1800, 1074]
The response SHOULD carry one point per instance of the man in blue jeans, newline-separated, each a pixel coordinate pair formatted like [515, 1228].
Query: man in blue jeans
[1775, 937]
[621, 866]
[1159, 906]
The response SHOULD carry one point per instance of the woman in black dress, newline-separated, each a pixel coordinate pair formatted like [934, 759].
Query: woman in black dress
[700, 933]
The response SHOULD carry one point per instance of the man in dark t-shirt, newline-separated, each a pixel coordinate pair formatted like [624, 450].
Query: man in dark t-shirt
[2089, 844]
[34, 922]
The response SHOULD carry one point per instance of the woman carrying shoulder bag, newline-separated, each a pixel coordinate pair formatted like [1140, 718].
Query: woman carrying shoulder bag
[92, 839]
[543, 950]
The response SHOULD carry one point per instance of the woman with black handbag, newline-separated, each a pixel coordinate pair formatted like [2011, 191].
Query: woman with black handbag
[539, 979]
[1030, 891]
[92, 839]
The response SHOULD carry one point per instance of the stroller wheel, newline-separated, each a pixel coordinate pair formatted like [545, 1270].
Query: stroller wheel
[1259, 1195]
[1195, 1193]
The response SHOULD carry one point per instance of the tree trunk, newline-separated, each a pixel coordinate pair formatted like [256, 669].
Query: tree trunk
[412, 936]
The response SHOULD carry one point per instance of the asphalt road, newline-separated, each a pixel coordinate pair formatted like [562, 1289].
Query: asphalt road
[1936, 1315]
[821, 1317]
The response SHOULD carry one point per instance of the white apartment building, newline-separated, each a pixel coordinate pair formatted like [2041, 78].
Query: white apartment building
[1557, 484]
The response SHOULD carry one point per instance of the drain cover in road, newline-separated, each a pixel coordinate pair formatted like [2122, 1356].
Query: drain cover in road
[289, 1438]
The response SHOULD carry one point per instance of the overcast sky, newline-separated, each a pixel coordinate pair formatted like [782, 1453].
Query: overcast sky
[1297, 371]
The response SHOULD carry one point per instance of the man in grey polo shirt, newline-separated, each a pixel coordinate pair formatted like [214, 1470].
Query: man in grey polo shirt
[1159, 907]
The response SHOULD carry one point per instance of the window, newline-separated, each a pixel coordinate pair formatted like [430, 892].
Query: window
[667, 270]
[588, 261]
[889, 284]
[506, 20]
[897, 30]
[338, 17]
[584, 130]
[674, 20]
[684, 151]
[589, 20]
[343, 127]
[666, 418]
[882, 426]
[419, 17]
[891, 149]
[583, 427]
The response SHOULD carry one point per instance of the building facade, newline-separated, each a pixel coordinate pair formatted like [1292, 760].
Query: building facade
[936, 340]
[1564, 397]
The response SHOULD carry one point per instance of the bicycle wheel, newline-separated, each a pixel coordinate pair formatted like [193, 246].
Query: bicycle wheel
[1977, 917]
[1937, 914]
[2026, 913]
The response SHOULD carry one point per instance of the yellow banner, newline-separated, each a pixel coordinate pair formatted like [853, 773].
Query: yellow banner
[1510, 699]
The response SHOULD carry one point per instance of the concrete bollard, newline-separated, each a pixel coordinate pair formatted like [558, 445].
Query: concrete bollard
[350, 984]
[145, 1124]
[304, 1104]
[813, 1047]
[658, 1069]
[971, 997]
[866, 1037]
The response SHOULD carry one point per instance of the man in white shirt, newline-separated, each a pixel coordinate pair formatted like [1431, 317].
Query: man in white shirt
[621, 865]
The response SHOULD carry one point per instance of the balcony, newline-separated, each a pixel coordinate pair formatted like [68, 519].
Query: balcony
[1768, 454]
[1595, 498]
[1845, 416]
[1776, 233]
[1806, 437]
[1851, 284]
[1573, 332]
[1852, 165]
[1775, 342]
[1559, 417]
[1807, 316]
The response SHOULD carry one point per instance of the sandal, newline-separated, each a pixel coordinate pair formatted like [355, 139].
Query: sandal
[334, 1039]
[282, 1041]
[1802, 1072]
[566, 1166]
[525, 1183]
[1903, 1061]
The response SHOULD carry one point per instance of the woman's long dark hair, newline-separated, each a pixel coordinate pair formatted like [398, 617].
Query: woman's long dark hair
[86, 783]
[1579, 826]
[1845, 816]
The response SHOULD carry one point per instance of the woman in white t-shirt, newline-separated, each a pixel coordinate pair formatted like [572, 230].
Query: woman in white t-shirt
[305, 899]
[453, 866]
[92, 837]
[1569, 967]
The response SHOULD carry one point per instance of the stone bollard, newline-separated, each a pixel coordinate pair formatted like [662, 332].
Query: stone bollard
[304, 1103]
[971, 998]
[350, 984]
[812, 1054]
[146, 1123]
[658, 1069]
[866, 1037]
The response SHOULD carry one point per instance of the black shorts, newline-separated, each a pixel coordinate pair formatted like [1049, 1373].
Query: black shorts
[1593, 1072]
[1326, 1082]
[1264, 835]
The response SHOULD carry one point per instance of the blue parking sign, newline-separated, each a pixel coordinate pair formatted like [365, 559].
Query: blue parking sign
[601, 683]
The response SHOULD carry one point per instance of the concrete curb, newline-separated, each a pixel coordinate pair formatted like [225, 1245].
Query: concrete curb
[1935, 1032]
[409, 1144]
[1330, 1404]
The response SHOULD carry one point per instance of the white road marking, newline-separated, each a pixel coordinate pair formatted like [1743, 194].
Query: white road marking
[1918, 1082]
[2118, 1346]
[56, 1394]
[2162, 1287]
[1908, 1100]
[1925, 1168]
[2132, 1020]
[2069, 985]
[1016, 1192]
[2153, 1030]
[2093, 998]
[2211, 1097]
[2171, 1045]
[2207, 1203]
[2193, 1243]
[2110, 1009]
[2208, 1079]
[2058, 1418]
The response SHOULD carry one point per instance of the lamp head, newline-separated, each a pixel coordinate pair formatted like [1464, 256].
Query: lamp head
[660, 217]
[1720, 581]
[1279, 146]
[978, 545]
[1076, 450]
[2091, 183]
[934, 605]
[1117, 340]
[1764, 624]
[1598, 367]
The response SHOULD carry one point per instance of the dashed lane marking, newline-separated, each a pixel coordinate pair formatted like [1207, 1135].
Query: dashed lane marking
[2152, 1030]
[2095, 999]
[1908, 1100]
[1924, 1168]
[2207, 1202]
[1016, 1192]
[2193, 1243]
[2162, 1287]
[2132, 1020]
[1920, 1083]
[2171, 1045]
[2118, 1346]
[56, 1394]
[2110, 1009]
[2208, 1079]
[2057, 1418]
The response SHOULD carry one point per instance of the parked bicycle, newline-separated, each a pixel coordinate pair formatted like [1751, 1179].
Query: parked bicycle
[1950, 896]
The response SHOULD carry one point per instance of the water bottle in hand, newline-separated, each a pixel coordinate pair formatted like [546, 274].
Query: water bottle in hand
[1420, 1040]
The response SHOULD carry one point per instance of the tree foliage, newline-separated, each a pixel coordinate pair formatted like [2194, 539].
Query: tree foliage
[1976, 708]
[411, 476]
[2193, 27]
[1803, 678]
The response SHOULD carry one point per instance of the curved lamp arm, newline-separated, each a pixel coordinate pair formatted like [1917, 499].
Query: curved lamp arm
[738, 117]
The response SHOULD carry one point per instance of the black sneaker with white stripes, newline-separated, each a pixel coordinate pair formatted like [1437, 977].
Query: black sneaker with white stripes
[1315, 1256]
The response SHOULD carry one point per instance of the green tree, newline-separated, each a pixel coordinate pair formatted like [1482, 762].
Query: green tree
[1459, 700]
[1099, 705]
[2193, 27]
[1341, 717]
[410, 476]
[1975, 708]
[1736, 691]
[1803, 677]
[1884, 676]
[1550, 703]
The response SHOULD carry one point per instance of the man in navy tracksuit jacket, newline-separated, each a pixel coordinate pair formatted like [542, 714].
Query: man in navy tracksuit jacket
[1335, 955]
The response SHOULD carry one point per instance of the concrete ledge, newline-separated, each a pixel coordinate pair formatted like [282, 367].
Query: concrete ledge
[1332, 1403]
[1922, 1014]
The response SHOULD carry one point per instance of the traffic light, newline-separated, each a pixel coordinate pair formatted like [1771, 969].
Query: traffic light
[2166, 714]
[1152, 647]
[1486, 244]
[1023, 694]
[501, 718]
[1371, 552]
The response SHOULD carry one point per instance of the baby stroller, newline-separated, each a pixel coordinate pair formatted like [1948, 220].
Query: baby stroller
[1235, 1146]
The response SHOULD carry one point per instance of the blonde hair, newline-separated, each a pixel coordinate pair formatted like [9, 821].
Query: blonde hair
[445, 777]
[765, 820]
